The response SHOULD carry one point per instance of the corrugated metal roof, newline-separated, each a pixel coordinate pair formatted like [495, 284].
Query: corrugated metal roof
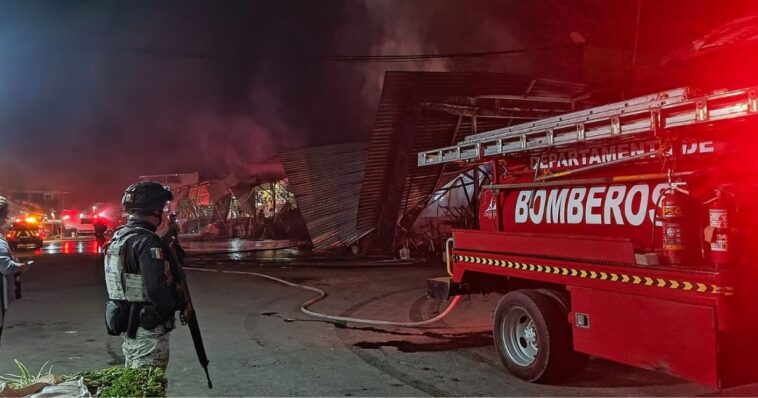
[326, 182]
[402, 129]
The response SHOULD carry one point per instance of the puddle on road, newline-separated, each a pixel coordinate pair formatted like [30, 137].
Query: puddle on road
[444, 342]
[439, 341]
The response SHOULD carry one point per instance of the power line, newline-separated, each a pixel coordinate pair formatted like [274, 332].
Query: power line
[426, 57]
[172, 53]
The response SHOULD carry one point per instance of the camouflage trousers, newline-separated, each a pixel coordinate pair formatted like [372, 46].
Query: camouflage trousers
[149, 348]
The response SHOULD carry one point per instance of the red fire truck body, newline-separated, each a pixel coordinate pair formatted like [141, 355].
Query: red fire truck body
[625, 232]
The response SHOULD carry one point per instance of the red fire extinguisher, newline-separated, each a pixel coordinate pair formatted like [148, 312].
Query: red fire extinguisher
[677, 247]
[720, 212]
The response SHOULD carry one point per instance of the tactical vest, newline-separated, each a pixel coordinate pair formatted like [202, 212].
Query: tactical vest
[121, 284]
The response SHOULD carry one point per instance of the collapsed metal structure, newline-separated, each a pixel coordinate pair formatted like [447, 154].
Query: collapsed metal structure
[326, 182]
[255, 204]
[420, 110]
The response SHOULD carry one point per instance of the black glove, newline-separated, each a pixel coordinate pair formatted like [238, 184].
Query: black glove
[149, 318]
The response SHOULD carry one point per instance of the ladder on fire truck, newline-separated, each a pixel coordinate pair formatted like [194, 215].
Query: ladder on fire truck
[634, 117]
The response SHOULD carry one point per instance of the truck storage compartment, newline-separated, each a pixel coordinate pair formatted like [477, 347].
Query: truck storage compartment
[661, 335]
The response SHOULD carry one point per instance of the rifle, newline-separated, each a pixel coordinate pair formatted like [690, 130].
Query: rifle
[187, 316]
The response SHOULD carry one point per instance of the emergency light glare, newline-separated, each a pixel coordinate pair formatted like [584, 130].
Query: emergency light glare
[31, 220]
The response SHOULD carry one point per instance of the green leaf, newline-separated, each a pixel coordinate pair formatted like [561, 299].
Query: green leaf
[26, 377]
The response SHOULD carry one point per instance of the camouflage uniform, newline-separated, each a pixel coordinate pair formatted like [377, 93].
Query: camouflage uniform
[150, 348]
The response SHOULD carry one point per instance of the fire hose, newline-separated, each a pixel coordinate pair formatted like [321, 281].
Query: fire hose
[322, 295]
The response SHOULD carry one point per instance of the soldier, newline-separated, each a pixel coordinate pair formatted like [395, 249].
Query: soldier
[141, 289]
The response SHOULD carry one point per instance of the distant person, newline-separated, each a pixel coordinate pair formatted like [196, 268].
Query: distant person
[261, 219]
[173, 227]
[100, 229]
[261, 225]
[139, 279]
[9, 267]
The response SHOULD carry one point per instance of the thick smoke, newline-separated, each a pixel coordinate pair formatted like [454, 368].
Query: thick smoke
[97, 94]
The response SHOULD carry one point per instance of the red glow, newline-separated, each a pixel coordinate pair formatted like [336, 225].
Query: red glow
[67, 248]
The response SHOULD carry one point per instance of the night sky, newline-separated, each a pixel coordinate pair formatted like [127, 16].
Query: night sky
[96, 93]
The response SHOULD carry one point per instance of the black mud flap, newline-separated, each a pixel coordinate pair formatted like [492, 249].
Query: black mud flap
[443, 288]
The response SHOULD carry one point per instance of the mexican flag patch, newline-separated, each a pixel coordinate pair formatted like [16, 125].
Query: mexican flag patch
[156, 253]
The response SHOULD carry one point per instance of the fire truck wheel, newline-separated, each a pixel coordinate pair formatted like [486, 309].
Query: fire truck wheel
[532, 337]
[578, 361]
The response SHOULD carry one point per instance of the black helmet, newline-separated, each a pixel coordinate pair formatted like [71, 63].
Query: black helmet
[146, 197]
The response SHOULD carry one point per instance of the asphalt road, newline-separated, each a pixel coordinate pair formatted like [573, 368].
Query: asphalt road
[259, 344]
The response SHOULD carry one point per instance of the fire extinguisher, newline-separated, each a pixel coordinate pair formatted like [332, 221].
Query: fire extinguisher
[720, 213]
[674, 205]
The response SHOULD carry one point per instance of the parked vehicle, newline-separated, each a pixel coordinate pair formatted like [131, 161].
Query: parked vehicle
[77, 224]
[25, 234]
[624, 231]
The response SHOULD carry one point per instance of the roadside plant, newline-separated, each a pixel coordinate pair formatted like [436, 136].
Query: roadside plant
[126, 382]
[24, 377]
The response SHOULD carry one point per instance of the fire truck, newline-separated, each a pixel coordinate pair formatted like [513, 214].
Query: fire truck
[624, 231]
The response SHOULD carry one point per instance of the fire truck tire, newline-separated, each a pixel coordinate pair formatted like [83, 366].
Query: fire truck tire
[533, 337]
[578, 360]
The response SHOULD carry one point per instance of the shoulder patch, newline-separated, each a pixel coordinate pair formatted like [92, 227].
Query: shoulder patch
[156, 253]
